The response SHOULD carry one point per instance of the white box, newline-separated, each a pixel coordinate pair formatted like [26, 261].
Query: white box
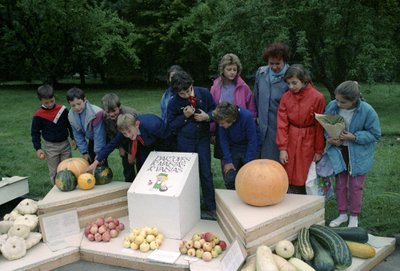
[12, 188]
[166, 194]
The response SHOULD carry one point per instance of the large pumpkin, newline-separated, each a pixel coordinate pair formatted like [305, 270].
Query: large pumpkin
[86, 181]
[261, 182]
[103, 175]
[76, 164]
[65, 180]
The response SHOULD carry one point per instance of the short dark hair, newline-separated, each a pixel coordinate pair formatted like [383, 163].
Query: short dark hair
[173, 69]
[350, 90]
[277, 50]
[75, 92]
[298, 71]
[45, 92]
[226, 111]
[181, 81]
[110, 101]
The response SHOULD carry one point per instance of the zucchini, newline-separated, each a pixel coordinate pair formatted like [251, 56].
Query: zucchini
[360, 250]
[323, 260]
[304, 244]
[265, 260]
[355, 234]
[283, 264]
[296, 250]
[337, 247]
[300, 265]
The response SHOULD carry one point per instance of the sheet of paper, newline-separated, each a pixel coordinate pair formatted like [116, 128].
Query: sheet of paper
[333, 124]
[234, 257]
[164, 256]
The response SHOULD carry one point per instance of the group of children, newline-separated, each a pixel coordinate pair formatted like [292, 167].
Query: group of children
[277, 122]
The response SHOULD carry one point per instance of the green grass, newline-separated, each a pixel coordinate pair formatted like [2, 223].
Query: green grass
[380, 213]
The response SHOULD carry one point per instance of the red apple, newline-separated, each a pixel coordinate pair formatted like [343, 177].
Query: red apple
[109, 219]
[90, 237]
[102, 229]
[116, 221]
[111, 225]
[208, 236]
[207, 256]
[222, 244]
[121, 226]
[87, 230]
[106, 236]
[113, 233]
[100, 221]
[97, 237]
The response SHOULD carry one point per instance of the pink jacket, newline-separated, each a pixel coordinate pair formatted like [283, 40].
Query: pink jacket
[243, 97]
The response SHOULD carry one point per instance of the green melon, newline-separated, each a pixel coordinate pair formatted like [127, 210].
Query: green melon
[103, 175]
[66, 180]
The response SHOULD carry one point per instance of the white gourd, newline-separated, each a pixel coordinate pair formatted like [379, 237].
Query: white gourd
[27, 207]
[29, 220]
[19, 230]
[250, 264]
[264, 259]
[12, 216]
[5, 226]
[283, 264]
[14, 248]
[33, 239]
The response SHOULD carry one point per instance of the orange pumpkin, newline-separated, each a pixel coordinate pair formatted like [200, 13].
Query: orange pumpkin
[76, 164]
[86, 181]
[261, 182]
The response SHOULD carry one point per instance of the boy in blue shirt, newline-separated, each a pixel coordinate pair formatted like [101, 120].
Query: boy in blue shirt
[50, 121]
[189, 113]
[238, 138]
[87, 124]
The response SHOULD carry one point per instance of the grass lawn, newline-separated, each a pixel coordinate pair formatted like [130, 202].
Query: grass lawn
[381, 204]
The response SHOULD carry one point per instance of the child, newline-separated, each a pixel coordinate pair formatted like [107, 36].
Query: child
[169, 92]
[145, 132]
[189, 114]
[269, 87]
[238, 139]
[351, 154]
[112, 107]
[51, 122]
[87, 123]
[300, 137]
[230, 87]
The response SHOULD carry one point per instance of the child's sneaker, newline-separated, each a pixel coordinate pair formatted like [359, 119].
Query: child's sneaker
[339, 220]
[353, 222]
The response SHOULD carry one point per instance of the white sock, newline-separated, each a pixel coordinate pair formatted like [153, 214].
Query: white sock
[353, 222]
[339, 220]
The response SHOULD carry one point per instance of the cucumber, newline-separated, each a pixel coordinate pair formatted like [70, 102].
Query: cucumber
[304, 246]
[355, 234]
[323, 260]
[337, 247]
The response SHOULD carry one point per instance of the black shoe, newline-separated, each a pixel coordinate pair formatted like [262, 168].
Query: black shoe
[209, 215]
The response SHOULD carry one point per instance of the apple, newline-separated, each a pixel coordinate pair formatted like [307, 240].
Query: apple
[106, 236]
[102, 229]
[136, 231]
[189, 244]
[116, 221]
[111, 225]
[207, 256]
[214, 253]
[182, 248]
[153, 245]
[197, 244]
[218, 248]
[97, 237]
[199, 253]
[196, 236]
[109, 219]
[208, 236]
[216, 239]
[191, 252]
[160, 236]
[132, 237]
[94, 229]
[126, 244]
[222, 244]
[134, 246]
[121, 226]
[100, 221]
[202, 241]
[90, 237]
[207, 246]
[87, 230]
[150, 238]
[144, 247]
[114, 233]
[158, 241]
[155, 231]
[139, 239]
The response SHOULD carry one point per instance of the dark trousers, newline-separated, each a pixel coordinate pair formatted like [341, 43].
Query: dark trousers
[238, 154]
[128, 169]
[201, 146]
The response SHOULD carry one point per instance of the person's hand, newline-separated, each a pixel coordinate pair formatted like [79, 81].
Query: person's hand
[213, 140]
[188, 111]
[202, 116]
[345, 135]
[73, 144]
[334, 141]
[228, 167]
[317, 157]
[122, 152]
[86, 157]
[283, 157]
[130, 160]
[40, 154]
[92, 167]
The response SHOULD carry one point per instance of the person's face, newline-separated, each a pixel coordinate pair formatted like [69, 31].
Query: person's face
[77, 105]
[185, 94]
[276, 64]
[132, 131]
[294, 84]
[230, 72]
[225, 124]
[343, 103]
[48, 103]
[113, 113]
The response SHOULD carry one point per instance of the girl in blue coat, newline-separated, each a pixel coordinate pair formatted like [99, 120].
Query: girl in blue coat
[351, 154]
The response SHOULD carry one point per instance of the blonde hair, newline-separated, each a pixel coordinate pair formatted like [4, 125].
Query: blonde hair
[229, 59]
[125, 121]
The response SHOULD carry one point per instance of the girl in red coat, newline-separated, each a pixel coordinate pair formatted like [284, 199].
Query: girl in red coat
[299, 136]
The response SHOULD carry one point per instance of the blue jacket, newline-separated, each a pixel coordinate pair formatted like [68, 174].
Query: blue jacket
[241, 135]
[167, 96]
[152, 130]
[365, 126]
[190, 128]
[91, 128]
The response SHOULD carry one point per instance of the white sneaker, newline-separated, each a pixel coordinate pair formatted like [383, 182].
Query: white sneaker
[353, 222]
[339, 220]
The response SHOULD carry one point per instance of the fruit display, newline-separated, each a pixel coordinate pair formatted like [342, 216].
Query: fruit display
[19, 230]
[103, 175]
[103, 229]
[143, 239]
[205, 246]
[262, 182]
